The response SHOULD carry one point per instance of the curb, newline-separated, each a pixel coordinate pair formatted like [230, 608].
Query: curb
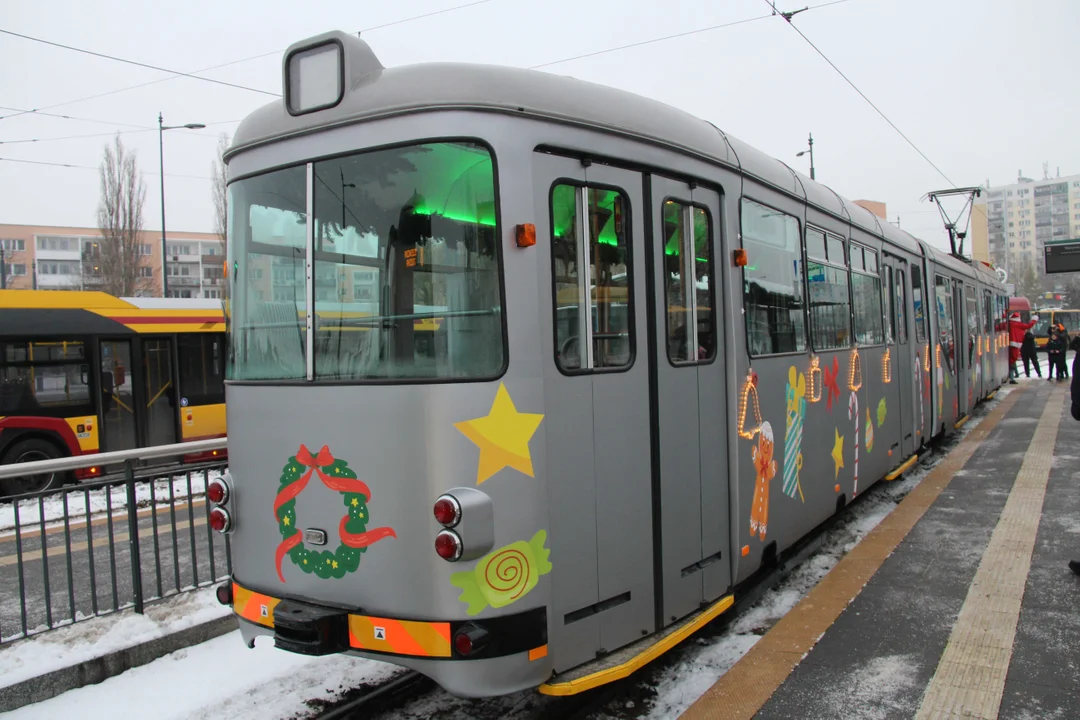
[95, 670]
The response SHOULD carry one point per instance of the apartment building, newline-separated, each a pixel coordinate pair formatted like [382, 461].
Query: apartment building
[56, 258]
[1016, 221]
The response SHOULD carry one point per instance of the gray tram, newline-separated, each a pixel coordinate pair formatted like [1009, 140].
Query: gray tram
[528, 377]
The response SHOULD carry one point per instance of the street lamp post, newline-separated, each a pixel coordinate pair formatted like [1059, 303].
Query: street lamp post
[161, 157]
[811, 151]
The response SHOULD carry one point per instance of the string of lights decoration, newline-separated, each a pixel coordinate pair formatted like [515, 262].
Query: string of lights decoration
[749, 386]
[886, 366]
[856, 366]
[813, 386]
[926, 360]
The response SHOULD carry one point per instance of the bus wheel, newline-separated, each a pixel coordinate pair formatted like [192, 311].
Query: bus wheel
[31, 450]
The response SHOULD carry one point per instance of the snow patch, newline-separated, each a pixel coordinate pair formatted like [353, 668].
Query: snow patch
[82, 641]
[51, 507]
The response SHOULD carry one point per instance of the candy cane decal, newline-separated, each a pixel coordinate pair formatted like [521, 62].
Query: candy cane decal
[853, 415]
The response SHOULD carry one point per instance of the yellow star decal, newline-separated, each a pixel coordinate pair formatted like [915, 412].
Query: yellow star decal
[355, 502]
[285, 521]
[503, 437]
[838, 452]
[334, 564]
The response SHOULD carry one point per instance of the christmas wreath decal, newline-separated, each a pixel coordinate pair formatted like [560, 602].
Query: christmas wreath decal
[352, 530]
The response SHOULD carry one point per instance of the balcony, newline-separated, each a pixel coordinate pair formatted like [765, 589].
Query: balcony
[183, 280]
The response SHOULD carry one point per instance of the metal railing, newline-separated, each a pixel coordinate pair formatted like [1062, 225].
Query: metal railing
[78, 552]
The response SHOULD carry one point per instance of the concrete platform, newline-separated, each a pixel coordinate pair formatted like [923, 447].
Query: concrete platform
[960, 604]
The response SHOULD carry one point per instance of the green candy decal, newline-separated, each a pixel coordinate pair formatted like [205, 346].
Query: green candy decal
[881, 413]
[505, 575]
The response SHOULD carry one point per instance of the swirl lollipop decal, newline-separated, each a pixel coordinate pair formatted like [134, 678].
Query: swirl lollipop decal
[505, 575]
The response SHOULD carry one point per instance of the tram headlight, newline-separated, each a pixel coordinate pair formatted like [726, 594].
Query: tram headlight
[315, 78]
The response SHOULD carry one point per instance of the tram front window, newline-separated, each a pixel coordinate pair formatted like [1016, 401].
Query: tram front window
[406, 273]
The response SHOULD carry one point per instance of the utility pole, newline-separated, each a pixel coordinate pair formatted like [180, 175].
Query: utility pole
[161, 158]
[811, 151]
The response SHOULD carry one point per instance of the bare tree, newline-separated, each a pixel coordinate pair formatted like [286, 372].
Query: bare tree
[221, 198]
[112, 263]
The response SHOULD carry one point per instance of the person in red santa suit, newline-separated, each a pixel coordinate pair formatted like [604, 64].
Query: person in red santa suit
[1016, 339]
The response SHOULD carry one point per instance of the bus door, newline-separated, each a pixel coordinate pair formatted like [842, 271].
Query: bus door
[690, 406]
[959, 350]
[160, 416]
[902, 362]
[590, 259]
[119, 411]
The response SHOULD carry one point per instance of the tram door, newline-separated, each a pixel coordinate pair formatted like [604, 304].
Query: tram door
[593, 331]
[902, 355]
[690, 396]
[960, 345]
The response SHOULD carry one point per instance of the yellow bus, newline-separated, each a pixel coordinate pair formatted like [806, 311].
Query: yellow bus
[86, 372]
[1069, 318]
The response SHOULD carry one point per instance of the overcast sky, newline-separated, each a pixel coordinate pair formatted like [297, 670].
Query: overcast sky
[982, 87]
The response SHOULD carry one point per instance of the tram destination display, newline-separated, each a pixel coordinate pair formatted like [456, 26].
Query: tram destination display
[1062, 257]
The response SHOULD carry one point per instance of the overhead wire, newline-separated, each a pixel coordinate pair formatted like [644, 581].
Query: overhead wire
[91, 167]
[110, 134]
[136, 63]
[197, 73]
[674, 36]
[787, 17]
[77, 119]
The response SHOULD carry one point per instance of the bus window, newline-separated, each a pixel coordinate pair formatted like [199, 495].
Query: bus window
[44, 379]
[201, 368]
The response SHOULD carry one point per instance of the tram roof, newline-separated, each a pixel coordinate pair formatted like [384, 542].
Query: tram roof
[373, 91]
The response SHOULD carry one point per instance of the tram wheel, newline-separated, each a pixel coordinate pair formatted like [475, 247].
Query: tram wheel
[31, 450]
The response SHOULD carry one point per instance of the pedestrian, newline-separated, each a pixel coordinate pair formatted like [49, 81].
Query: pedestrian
[1030, 354]
[1055, 350]
[1016, 339]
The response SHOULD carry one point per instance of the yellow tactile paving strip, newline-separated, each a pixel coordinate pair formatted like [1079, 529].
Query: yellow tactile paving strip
[970, 677]
[746, 687]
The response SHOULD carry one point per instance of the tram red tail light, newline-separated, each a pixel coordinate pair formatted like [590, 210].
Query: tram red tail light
[447, 511]
[448, 545]
[470, 639]
[218, 492]
[220, 520]
[224, 593]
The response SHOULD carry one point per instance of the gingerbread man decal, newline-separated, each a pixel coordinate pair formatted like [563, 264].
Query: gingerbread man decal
[766, 470]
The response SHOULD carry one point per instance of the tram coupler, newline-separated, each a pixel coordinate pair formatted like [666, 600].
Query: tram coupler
[310, 630]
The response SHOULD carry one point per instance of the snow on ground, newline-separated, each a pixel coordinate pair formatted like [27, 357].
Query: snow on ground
[220, 678]
[30, 511]
[85, 640]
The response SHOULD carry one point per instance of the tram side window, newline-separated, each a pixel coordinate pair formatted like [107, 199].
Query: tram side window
[44, 379]
[201, 368]
[971, 303]
[687, 228]
[772, 281]
[827, 278]
[593, 287]
[866, 291]
[917, 301]
[988, 312]
[945, 319]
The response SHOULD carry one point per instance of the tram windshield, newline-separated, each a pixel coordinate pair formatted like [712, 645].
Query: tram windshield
[406, 277]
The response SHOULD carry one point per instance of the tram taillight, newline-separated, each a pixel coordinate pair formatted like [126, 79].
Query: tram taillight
[218, 492]
[447, 511]
[448, 545]
[470, 639]
[220, 520]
